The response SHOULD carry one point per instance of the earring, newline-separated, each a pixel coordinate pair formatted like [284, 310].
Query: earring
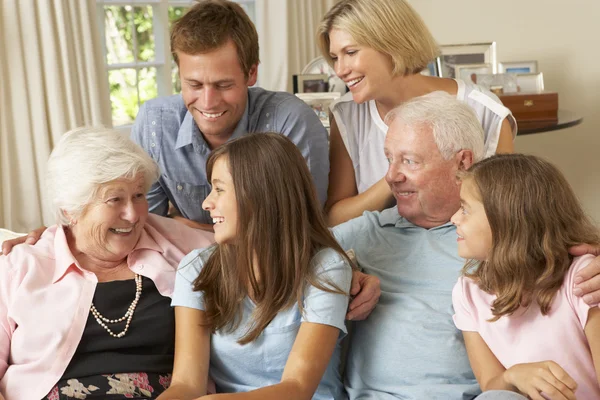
[72, 223]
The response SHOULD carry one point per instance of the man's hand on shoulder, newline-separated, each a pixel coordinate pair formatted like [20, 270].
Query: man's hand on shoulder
[30, 238]
[587, 281]
[365, 291]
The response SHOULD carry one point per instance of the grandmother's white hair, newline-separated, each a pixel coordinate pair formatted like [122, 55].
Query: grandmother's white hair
[86, 158]
[454, 125]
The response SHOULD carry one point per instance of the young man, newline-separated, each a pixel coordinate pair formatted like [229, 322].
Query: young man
[215, 46]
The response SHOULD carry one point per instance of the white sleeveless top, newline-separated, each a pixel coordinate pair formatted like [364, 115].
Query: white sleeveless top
[363, 130]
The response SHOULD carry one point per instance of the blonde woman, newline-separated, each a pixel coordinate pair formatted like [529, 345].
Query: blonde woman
[379, 48]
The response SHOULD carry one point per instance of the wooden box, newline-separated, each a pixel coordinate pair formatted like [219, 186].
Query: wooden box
[532, 108]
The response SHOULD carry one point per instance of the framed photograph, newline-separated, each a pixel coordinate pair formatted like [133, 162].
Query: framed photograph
[469, 72]
[433, 68]
[320, 102]
[461, 54]
[311, 83]
[518, 67]
[531, 82]
[320, 66]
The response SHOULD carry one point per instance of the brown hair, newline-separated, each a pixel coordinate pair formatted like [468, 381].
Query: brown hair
[209, 24]
[534, 217]
[280, 225]
[391, 27]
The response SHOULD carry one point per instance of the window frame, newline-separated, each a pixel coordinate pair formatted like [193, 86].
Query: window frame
[162, 52]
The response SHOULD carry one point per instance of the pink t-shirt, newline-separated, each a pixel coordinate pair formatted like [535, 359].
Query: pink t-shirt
[528, 336]
[45, 300]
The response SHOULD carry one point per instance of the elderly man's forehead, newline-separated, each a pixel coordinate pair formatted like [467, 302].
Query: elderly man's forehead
[400, 133]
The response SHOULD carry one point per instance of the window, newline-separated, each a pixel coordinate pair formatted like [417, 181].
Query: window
[135, 37]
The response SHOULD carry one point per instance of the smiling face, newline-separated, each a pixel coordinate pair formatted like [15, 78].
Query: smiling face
[111, 225]
[424, 184]
[367, 72]
[215, 90]
[222, 203]
[472, 225]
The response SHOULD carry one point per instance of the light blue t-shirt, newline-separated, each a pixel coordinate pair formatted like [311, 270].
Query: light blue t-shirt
[408, 347]
[236, 368]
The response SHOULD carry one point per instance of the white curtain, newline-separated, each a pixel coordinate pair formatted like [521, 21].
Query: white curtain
[287, 31]
[52, 79]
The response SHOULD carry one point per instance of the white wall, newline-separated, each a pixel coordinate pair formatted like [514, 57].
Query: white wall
[564, 36]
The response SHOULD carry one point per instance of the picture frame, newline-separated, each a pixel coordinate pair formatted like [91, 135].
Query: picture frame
[319, 102]
[433, 68]
[531, 83]
[461, 54]
[469, 72]
[518, 67]
[310, 83]
[320, 66]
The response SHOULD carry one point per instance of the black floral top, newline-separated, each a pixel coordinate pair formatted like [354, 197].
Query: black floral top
[135, 366]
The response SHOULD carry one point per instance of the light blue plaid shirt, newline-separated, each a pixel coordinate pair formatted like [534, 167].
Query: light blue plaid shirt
[167, 131]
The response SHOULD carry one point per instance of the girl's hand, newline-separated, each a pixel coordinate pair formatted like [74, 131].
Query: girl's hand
[548, 377]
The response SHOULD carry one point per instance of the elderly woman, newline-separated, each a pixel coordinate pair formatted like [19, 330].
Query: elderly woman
[85, 312]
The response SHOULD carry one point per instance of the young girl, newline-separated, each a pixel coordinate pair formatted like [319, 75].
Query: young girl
[524, 329]
[265, 306]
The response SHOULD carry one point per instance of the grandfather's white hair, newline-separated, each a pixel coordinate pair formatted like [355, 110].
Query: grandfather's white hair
[454, 125]
[86, 158]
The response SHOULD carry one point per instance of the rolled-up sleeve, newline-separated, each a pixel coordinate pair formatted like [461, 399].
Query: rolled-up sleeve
[325, 307]
[463, 307]
[187, 272]
[300, 124]
[158, 202]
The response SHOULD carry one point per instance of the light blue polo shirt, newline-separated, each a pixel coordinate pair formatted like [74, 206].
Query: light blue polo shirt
[408, 347]
[241, 368]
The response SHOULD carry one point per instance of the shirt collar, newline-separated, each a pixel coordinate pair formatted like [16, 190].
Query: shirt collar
[390, 216]
[189, 131]
[64, 259]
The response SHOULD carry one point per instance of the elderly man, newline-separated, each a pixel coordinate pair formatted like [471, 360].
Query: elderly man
[409, 347]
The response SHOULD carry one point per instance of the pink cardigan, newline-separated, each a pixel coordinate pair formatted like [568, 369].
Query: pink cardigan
[45, 299]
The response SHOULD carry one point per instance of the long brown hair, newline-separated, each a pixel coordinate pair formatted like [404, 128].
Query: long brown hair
[280, 225]
[534, 217]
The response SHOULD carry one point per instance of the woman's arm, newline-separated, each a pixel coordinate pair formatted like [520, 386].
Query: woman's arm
[506, 141]
[304, 369]
[529, 379]
[192, 355]
[343, 201]
[592, 332]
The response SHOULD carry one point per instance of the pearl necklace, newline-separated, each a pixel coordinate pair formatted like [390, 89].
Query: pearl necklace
[102, 321]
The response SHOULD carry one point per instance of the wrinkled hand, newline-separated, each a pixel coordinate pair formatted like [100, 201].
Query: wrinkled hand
[30, 238]
[366, 291]
[548, 377]
[587, 281]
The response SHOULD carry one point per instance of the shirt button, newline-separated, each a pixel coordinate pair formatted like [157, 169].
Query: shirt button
[153, 133]
[267, 115]
[267, 126]
[152, 145]
[140, 267]
[179, 187]
[153, 122]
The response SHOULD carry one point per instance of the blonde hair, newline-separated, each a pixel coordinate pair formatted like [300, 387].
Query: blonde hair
[534, 217]
[280, 222]
[391, 27]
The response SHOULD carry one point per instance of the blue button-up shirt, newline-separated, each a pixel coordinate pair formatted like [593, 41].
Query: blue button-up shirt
[167, 131]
